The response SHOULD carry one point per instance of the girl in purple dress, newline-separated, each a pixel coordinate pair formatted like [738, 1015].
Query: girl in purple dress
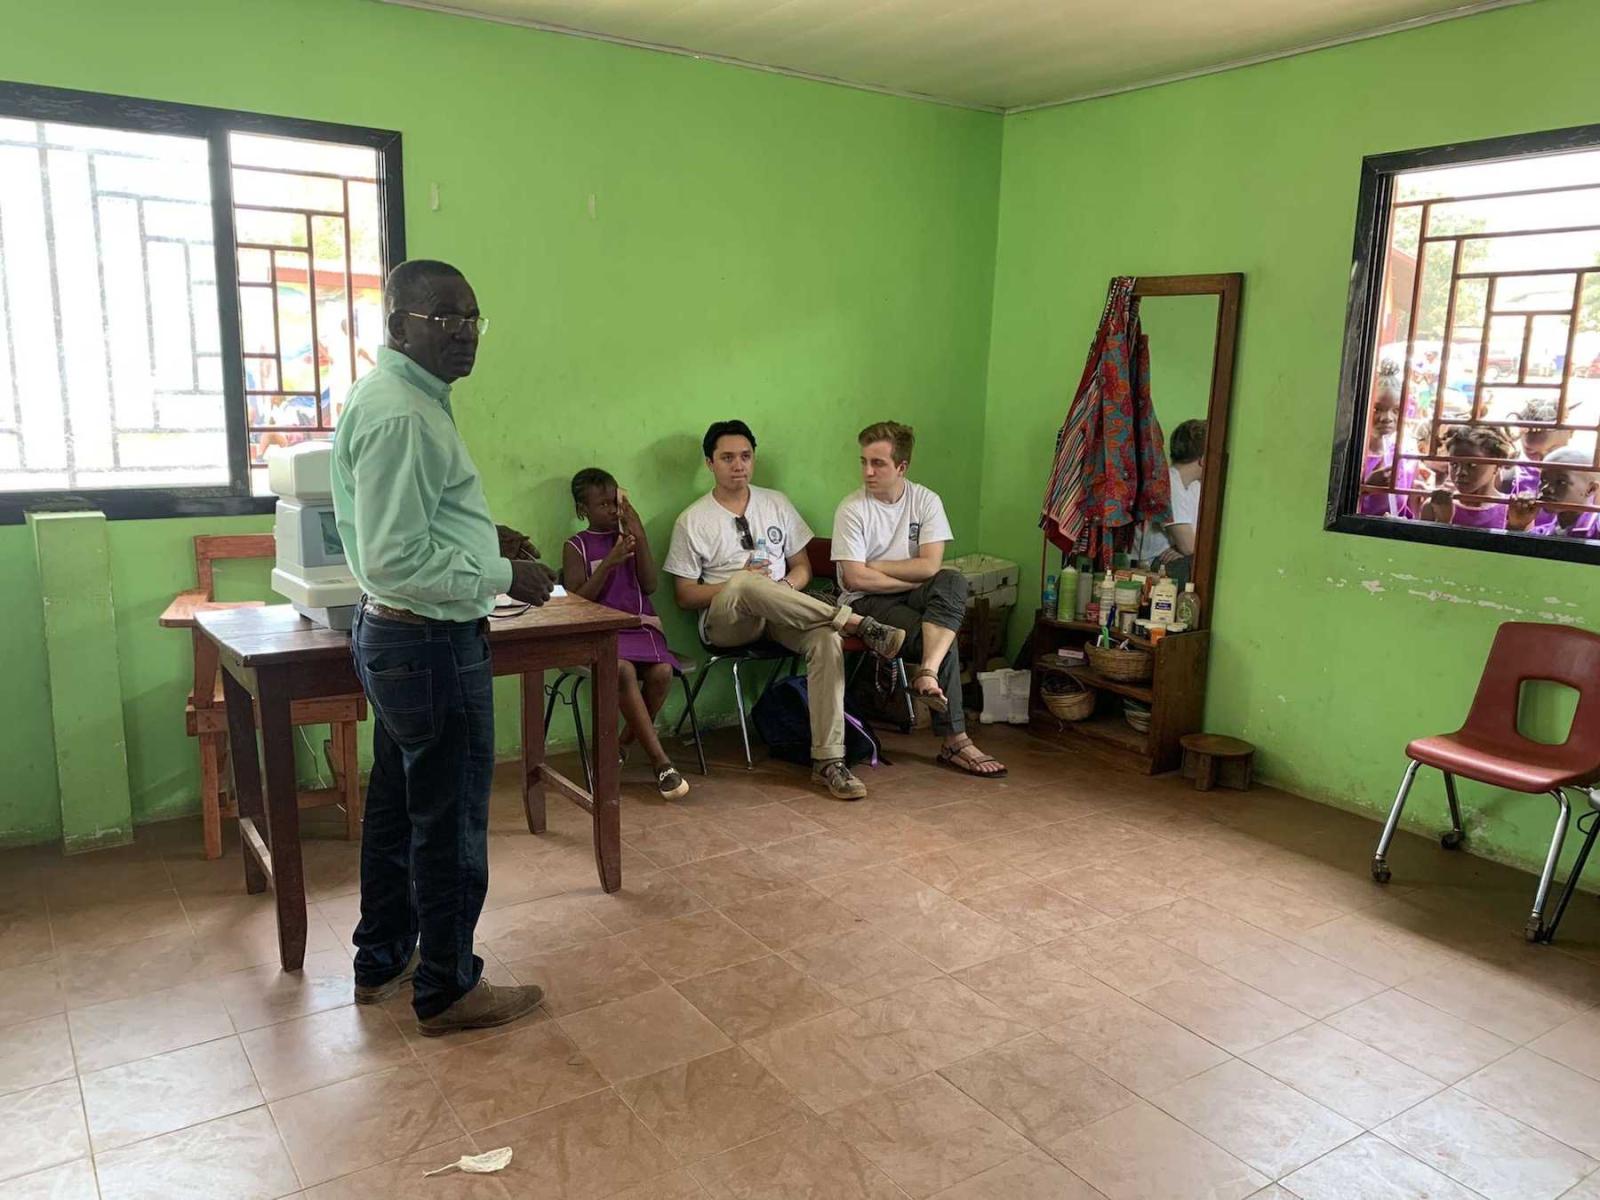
[1378, 466]
[610, 563]
[1472, 479]
[1525, 481]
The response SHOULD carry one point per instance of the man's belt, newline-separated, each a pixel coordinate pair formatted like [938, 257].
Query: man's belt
[393, 614]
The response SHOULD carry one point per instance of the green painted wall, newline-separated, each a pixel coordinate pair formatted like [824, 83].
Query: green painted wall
[660, 242]
[1329, 650]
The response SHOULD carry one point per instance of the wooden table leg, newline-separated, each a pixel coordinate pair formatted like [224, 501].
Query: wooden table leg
[607, 803]
[533, 749]
[246, 773]
[283, 824]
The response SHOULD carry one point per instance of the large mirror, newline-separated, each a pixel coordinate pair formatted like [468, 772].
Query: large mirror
[1190, 323]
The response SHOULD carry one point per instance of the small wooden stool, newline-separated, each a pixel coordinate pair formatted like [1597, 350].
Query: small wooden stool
[1211, 758]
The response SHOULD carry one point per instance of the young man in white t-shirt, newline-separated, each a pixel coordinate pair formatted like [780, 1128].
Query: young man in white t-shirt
[889, 539]
[1170, 543]
[738, 555]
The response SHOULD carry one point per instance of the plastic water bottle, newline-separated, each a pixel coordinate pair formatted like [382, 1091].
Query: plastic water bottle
[1050, 595]
[759, 556]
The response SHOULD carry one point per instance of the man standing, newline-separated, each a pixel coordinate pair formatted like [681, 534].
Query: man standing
[418, 538]
[739, 558]
[889, 539]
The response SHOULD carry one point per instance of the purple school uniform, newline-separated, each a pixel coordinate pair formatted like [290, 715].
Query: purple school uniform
[1526, 484]
[1490, 516]
[622, 592]
[1377, 504]
[1586, 526]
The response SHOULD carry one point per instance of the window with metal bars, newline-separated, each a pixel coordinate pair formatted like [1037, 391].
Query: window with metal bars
[1469, 405]
[181, 289]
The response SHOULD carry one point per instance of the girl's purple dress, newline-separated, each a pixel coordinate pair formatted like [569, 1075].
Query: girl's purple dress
[1586, 526]
[1527, 484]
[1379, 504]
[622, 592]
[1490, 516]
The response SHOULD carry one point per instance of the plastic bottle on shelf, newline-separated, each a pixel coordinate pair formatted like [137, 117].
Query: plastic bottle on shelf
[1107, 597]
[1085, 590]
[1067, 593]
[1163, 601]
[1187, 611]
[1050, 594]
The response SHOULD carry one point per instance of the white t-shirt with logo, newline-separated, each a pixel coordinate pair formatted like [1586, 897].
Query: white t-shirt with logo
[1185, 511]
[706, 545]
[869, 530]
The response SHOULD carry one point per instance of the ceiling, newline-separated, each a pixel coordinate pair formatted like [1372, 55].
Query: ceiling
[995, 54]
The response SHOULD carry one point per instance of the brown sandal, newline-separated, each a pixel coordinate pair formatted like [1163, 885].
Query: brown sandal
[933, 700]
[955, 758]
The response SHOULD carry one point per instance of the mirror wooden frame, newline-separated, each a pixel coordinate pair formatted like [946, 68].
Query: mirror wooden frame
[1229, 290]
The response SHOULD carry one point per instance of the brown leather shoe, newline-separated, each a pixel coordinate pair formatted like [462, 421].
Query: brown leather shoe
[484, 1007]
[379, 992]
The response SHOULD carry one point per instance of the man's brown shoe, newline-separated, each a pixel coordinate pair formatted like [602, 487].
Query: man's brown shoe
[838, 779]
[484, 1007]
[379, 992]
[883, 640]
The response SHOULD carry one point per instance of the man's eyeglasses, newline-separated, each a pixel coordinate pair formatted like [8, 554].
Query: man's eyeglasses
[746, 542]
[453, 324]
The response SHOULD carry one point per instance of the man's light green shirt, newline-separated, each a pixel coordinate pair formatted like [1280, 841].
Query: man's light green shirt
[416, 528]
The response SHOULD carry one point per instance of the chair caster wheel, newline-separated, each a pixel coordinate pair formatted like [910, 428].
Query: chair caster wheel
[1451, 839]
[1380, 872]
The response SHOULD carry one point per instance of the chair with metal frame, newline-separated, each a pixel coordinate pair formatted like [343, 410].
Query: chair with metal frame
[820, 552]
[763, 650]
[559, 693]
[1489, 748]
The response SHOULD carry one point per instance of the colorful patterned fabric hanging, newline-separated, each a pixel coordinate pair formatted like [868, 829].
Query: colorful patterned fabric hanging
[1110, 470]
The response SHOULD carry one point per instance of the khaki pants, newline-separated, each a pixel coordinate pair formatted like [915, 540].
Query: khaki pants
[753, 606]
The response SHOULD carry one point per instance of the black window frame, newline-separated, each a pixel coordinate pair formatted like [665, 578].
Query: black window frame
[1362, 317]
[32, 102]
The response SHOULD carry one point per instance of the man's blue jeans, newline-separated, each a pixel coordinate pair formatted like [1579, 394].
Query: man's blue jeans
[424, 841]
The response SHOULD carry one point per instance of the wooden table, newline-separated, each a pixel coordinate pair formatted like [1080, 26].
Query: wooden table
[205, 718]
[272, 657]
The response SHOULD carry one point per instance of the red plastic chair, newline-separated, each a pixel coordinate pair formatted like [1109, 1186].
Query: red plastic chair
[819, 551]
[1489, 748]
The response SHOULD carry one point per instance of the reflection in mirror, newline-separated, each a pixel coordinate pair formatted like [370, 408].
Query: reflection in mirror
[1182, 336]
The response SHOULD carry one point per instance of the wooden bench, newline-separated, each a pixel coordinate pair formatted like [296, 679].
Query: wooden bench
[205, 716]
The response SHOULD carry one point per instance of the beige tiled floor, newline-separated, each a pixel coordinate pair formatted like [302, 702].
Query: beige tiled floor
[1072, 985]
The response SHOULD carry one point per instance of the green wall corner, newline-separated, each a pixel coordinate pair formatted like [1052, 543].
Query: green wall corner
[80, 639]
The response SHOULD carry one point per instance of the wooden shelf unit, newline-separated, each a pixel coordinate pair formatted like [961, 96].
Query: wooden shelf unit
[1175, 695]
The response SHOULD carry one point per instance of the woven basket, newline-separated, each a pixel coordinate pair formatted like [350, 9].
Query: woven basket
[1122, 666]
[1067, 699]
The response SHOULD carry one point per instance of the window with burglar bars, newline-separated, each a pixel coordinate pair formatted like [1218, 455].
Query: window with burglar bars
[311, 272]
[1470, 405]
[181, 290]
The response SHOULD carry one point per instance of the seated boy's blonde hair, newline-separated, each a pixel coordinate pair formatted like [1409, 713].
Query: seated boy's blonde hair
[902, 438]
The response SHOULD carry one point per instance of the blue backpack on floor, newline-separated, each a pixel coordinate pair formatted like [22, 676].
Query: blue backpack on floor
[782, 718]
